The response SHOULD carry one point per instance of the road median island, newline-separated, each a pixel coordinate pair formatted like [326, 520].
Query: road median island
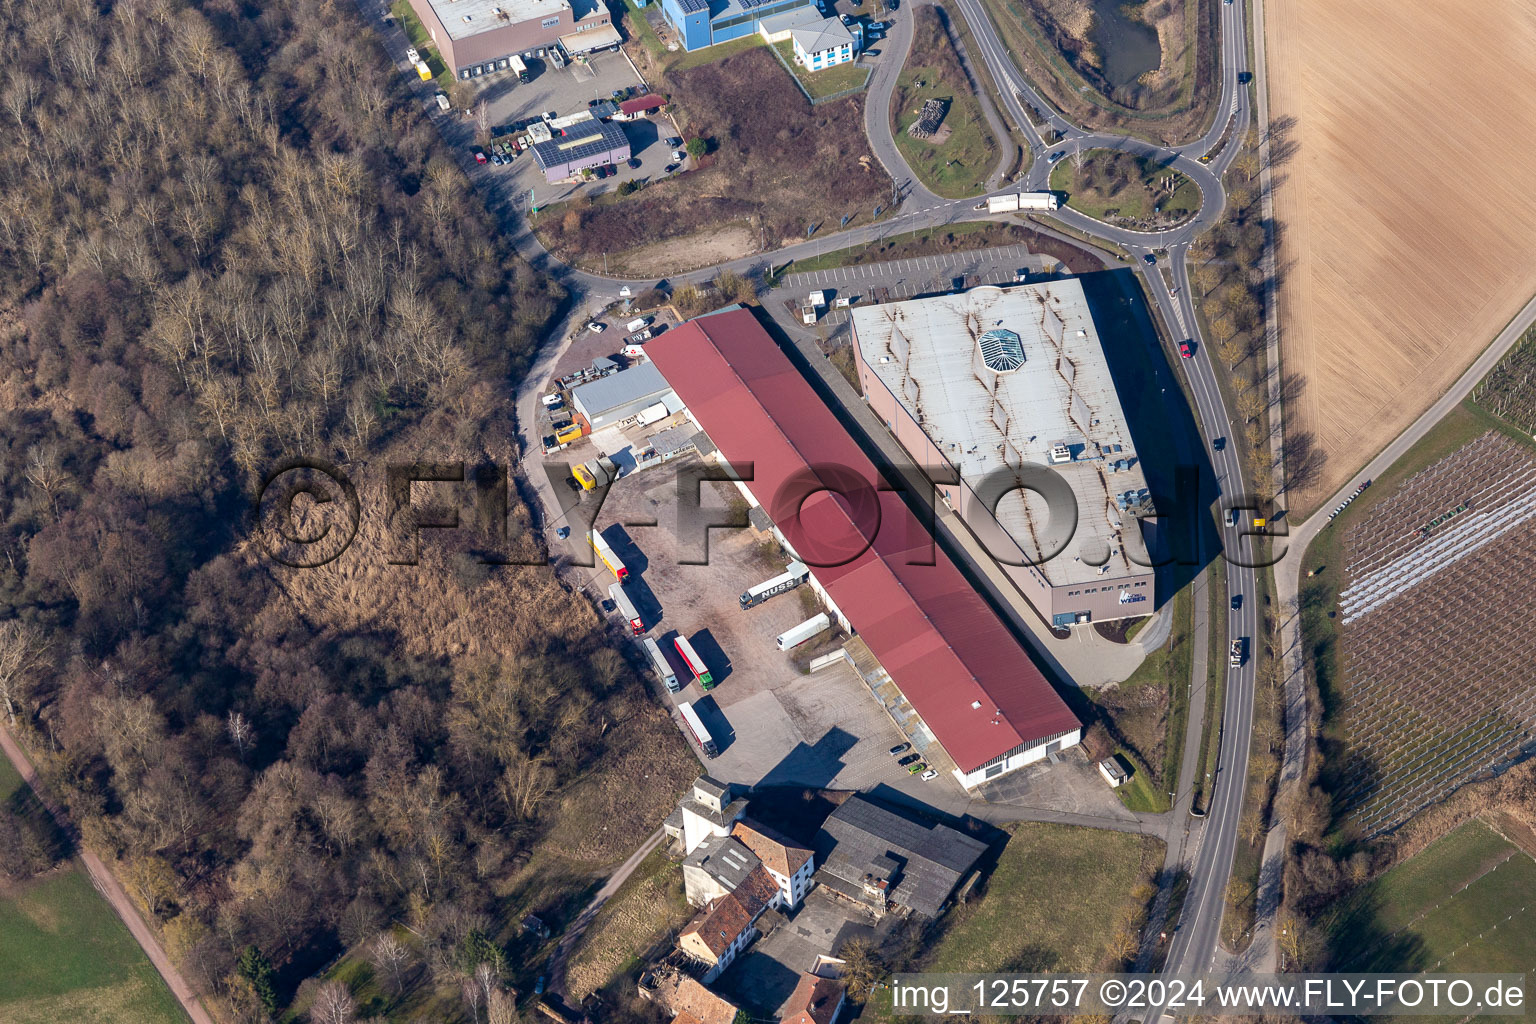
[1052, 43]
[956, 160]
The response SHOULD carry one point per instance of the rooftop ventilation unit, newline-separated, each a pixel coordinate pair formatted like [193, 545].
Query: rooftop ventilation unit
[1060, 453]
[1001, 350]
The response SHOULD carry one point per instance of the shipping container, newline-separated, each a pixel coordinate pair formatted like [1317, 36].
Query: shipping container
[694, 662]
[792, 638]
[659, 663]
[695, 725]
[626, 608]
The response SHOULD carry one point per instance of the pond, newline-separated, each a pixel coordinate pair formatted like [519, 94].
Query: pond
[1127, 46]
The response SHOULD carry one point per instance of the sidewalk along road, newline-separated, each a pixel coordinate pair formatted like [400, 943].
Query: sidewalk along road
[106, 884]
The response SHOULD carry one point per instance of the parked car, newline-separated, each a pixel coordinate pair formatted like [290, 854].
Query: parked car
[1186, 349]
[913, 769]
[442, 101]
[909, 759]
[553, 401]
[496, 158]
[900, 748]
[674, 141]
[670, 168]
[563, 532]
[929, 775]
[871, 53]
[679, 155]
[634, 163]
[479, 156]
[597, 327]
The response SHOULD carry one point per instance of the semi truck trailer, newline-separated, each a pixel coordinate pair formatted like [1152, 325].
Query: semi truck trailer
[792, 638]
[794, 574]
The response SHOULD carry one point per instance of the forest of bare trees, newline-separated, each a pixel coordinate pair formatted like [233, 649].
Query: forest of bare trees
[227, 236]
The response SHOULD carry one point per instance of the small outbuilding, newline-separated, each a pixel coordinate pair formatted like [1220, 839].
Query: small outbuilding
[1114, 772]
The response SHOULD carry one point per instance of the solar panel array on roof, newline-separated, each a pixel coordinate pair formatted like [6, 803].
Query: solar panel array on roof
[601, 137]
[693, 6]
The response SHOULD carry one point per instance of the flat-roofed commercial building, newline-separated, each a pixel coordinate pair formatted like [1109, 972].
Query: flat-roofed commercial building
[983, 385]
[478, 37]
[970, 683]
[587, 143]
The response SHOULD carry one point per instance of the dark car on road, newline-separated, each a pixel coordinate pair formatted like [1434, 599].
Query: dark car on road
[1149, 260]
[1237, 601]
[900, 748]
[1219, 444]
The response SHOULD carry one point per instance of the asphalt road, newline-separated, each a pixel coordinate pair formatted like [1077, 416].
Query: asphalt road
[1196, 940]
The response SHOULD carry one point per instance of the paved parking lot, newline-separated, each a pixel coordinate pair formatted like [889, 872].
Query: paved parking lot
[918, 275]
[568, 91]
[774, 724]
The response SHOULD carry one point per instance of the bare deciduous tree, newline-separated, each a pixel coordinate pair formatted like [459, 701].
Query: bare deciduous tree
[333, 1004]
[390, 957]
[22, 647]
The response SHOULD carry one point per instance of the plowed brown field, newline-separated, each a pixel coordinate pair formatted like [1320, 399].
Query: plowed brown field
[1406, 209]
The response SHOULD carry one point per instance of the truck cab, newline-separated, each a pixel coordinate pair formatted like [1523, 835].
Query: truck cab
[1236, 655]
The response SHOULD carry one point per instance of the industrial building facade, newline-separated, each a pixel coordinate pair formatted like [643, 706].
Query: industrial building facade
[633, 394]
[970, 683]
[477, 37]
[701, 23]
[987, 386]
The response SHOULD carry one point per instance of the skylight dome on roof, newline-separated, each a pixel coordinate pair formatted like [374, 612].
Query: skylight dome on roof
[1001, 350]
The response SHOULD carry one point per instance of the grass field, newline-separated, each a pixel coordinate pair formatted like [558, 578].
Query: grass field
[1417, 270]
[1119, 188]
[959, 165]
[1017, 924]
[648, 907]
[1148, 711]
[1141, 794]
[828, 81]
[1467, 903]
[67, 957]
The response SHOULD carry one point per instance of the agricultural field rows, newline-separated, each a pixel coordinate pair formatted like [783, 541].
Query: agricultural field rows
[1436, 642]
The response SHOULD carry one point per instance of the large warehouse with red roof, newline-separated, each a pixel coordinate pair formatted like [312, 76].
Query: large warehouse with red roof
[873, 562]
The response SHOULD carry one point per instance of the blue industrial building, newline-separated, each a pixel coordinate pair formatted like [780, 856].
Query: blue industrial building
[702, 23]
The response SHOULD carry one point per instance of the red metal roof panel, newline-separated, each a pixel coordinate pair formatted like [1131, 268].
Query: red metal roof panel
[944, 647]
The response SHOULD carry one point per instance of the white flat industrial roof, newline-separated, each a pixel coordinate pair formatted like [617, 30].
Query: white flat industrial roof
[485, 15]
[998, 376]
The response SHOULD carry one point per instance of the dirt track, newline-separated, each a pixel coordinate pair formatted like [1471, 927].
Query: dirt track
[1404, 207]
[106, 884]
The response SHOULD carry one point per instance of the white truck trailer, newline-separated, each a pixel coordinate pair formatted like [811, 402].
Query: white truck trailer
[1014, 201]
[792, 638]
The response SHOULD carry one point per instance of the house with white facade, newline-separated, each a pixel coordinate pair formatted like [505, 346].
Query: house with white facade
[822, 45]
